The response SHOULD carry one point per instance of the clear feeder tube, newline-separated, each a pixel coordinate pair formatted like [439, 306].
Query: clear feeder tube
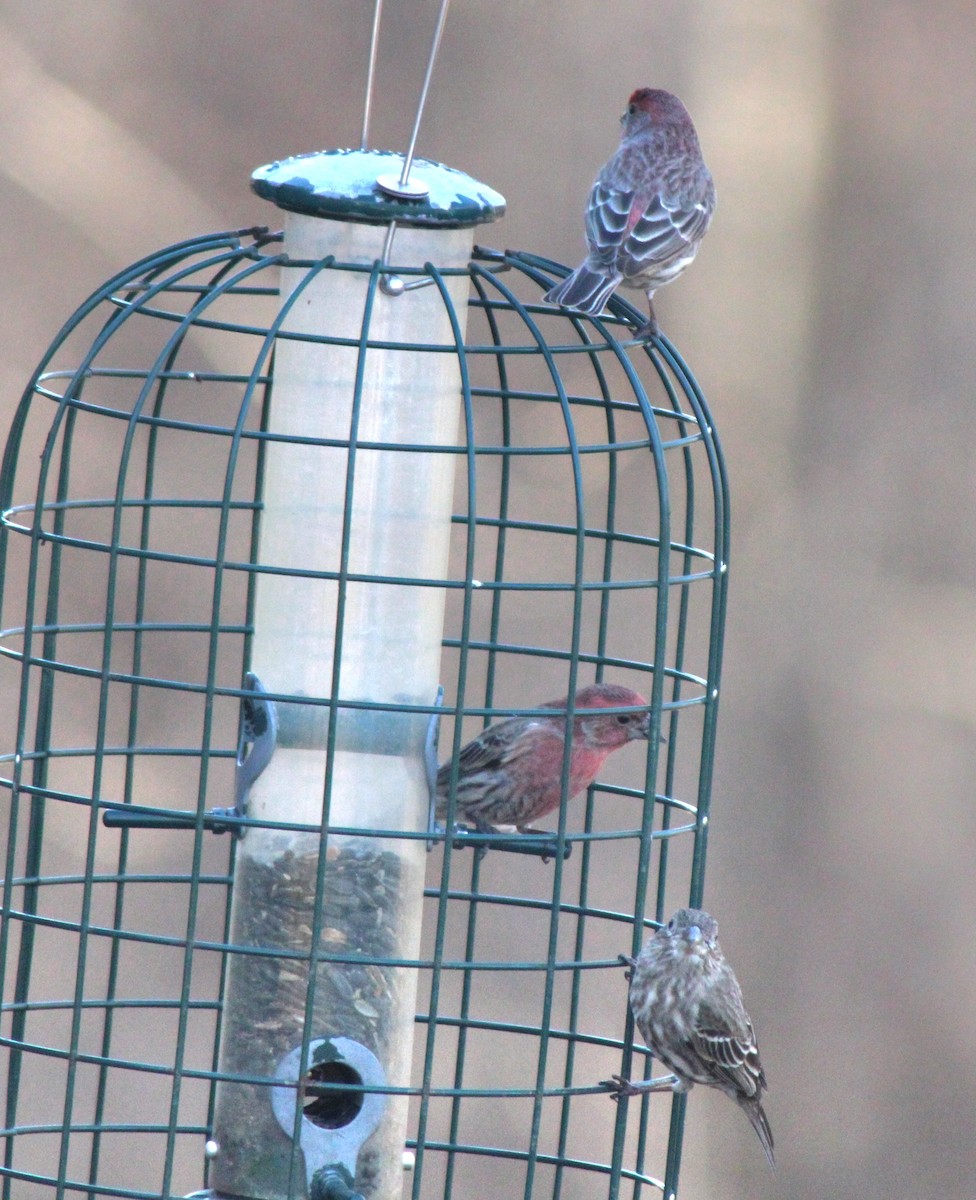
[396, 523]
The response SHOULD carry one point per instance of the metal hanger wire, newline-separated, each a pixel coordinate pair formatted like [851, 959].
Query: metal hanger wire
[374, 41]
[400, 186]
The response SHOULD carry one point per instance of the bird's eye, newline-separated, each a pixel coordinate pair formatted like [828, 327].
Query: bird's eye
[624, 718]
[670, 926]
[631, 108]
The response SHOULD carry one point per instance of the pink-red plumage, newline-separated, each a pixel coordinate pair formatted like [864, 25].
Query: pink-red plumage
[511, 774]
[648, 210]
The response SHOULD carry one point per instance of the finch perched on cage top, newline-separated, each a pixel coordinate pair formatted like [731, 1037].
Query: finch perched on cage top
[511, 773]
[688, 1006]
[648, 210]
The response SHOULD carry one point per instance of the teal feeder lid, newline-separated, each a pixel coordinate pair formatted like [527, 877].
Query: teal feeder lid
[344, 184]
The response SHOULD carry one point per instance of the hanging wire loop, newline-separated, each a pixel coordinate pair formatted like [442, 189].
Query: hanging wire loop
[402, 186]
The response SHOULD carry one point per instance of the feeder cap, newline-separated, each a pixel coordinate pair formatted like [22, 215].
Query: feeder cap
[343, 184]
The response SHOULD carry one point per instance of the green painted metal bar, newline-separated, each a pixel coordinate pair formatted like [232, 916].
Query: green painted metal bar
[596, 412]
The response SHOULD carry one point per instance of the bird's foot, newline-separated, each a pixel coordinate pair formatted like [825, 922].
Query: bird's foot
[619, 1088]
[644, 334]
[650, 328]
[474, 825]
[480, 826]
[627, 960]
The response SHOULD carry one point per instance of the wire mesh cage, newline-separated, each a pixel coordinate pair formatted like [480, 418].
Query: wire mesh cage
[219, 976]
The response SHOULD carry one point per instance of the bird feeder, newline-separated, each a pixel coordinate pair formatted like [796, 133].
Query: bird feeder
[285, 519]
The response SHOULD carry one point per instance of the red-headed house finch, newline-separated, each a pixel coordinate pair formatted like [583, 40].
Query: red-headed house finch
[511, 773]
[688, 1006]
[648, 209]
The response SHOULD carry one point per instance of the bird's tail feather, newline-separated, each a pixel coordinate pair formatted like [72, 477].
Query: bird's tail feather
[760, 1123]
[585, 290]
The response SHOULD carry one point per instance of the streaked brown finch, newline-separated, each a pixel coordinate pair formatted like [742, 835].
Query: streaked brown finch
[688, 1007]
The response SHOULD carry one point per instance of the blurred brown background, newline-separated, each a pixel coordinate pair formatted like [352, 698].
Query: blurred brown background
[827, 320]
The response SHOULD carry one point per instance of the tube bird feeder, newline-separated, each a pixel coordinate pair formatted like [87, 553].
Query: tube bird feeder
[356, 518]
[261, 501]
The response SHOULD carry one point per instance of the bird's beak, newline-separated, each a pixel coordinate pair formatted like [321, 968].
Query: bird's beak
[694, 942]
[644, 729]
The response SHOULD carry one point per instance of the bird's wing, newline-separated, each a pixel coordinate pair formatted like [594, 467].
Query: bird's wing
[607, 220]
[729, 1047]
[491, 750]
[623, 223]
[664, 229]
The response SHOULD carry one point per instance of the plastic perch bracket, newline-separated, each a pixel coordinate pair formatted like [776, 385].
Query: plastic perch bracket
[257, 729]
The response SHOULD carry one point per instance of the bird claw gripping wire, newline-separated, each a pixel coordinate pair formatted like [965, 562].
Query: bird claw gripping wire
[620, 1088]
[334, 1122]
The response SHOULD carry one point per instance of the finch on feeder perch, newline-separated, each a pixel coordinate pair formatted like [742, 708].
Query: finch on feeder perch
[511, 774]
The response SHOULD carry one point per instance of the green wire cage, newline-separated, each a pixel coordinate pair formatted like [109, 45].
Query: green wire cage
[276, 525]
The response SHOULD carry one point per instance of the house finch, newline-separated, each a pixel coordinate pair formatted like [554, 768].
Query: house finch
[511, 773]
[648, 210]
[688, 1006]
